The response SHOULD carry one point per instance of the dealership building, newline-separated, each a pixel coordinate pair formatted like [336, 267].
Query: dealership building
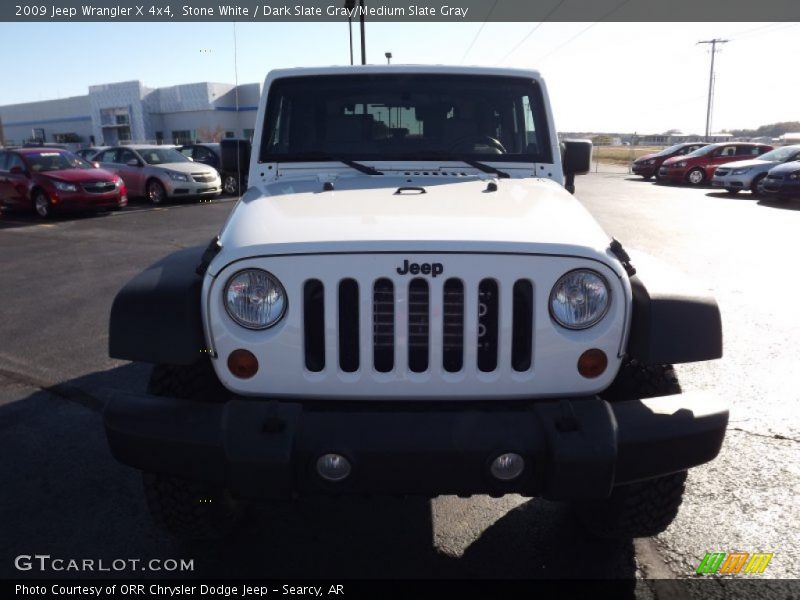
[131, 112]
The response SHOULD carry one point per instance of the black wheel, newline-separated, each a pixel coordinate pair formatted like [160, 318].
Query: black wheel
[42, 205]
[641, 509]
[645, 508]
[156, 192]
[230, 185]
[696, 176]
[757, 186]
[190, 510]
[732, 190]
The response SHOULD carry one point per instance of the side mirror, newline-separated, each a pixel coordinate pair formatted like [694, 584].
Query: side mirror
[576, 159]
[17, 171]
[134, 162]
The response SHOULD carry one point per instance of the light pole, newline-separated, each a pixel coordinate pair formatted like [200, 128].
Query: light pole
[388, 56]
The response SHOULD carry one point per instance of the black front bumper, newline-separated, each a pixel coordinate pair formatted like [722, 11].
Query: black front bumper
[573, 448]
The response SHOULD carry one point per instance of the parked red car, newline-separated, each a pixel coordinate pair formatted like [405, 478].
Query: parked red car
[698, 167]
[649, 164]
[51, 179]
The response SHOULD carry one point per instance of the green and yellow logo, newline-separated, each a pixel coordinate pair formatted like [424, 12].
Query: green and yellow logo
[733, 563]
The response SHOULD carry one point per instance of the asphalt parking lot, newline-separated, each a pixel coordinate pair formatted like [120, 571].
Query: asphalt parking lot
[64, 495]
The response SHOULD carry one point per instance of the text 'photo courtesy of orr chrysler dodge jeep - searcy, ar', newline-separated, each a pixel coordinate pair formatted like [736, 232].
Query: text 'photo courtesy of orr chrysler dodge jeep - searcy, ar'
[407, 301]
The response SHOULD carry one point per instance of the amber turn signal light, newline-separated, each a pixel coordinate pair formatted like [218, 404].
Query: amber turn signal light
[242, 363]
[592, 363]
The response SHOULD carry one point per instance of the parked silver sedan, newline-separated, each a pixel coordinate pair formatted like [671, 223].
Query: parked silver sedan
[750, 174]
[160, 172]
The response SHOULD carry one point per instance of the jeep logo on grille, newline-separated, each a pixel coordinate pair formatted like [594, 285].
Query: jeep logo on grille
[432, 269]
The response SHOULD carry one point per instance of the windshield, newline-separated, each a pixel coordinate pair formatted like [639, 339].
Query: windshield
[704, 150]
[670, 150]
[55, 161]
[159, 156]
[781, 154]
[405, 117]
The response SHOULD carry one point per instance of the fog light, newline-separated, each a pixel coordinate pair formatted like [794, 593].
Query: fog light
[333, 467]
[507, 466]
[242, 363]
[592, 363]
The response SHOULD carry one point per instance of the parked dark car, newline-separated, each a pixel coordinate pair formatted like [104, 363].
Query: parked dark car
[698, 167]
[783, 181]
[649, 164]
[231, 157]
[48, 179]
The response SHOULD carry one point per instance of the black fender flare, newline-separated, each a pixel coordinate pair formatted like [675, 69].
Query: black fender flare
[156, 317]
[672, 327]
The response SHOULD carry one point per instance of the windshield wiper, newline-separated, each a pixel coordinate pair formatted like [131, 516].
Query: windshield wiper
[446, 156]
[366, 169]
[485, 168]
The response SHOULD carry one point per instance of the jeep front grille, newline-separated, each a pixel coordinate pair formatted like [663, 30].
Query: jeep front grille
[419, 323]
[383, 325]
[453, 326]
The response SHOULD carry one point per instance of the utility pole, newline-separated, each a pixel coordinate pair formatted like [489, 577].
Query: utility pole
[713, 43]
[350, 5]
[363, 35]
[350, 28]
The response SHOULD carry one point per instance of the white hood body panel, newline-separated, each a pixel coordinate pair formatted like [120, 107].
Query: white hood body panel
[373, 213]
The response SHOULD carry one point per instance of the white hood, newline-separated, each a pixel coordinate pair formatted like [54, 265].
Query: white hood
[366, 213]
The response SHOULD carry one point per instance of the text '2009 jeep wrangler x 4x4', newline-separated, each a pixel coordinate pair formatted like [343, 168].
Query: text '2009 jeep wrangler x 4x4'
[407, 301]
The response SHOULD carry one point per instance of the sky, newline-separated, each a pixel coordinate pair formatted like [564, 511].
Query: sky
[610, 77]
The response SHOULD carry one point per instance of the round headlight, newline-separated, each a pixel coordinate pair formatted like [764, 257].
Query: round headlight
[579, 299]
[255, 299]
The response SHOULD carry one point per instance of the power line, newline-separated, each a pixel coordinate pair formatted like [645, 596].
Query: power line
[747, 32]
[475, 39]
[531, 31]
[713, 43]
[580, 33]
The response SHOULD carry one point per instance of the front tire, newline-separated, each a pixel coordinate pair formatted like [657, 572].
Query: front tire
[696, 176]
[156, 192]
[641, 509]
[644, 508]
[190, 510]
[757, 186]
[230, 185]
[42, 205]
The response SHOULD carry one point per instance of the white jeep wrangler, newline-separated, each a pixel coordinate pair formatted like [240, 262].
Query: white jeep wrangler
[406, 300]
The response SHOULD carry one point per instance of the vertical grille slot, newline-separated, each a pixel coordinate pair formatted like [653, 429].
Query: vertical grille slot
[522, 336]
[453, 326]
[418, 325]
[487, 325]
[314, 324]
[383, 325]
[348, 325]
